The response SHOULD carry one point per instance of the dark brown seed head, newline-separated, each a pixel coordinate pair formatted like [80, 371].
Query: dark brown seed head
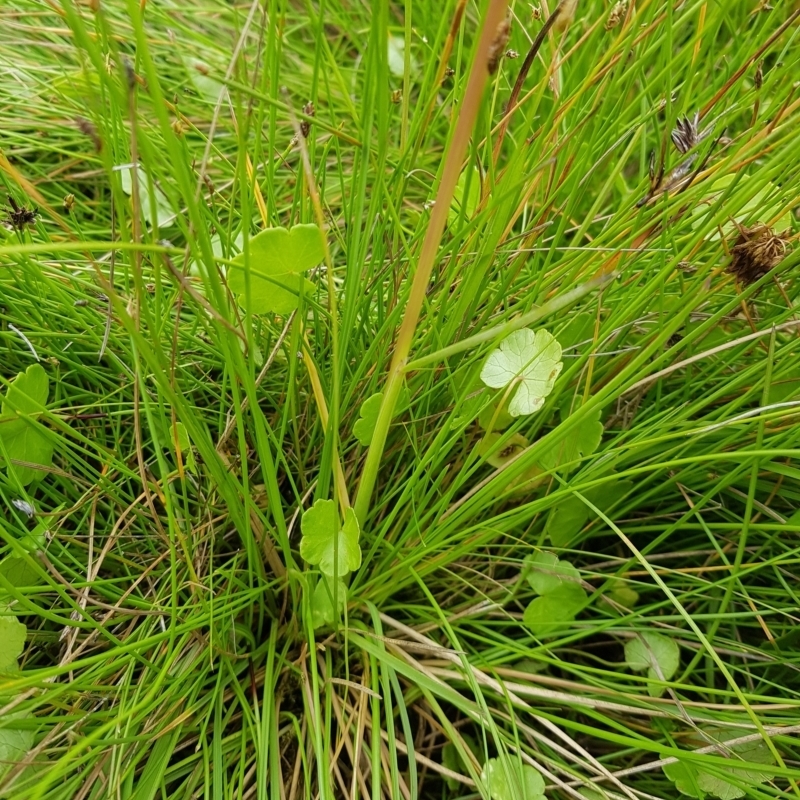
[88, 129]
[305, 125]
[758, 78]
[498, 45]
[685, 135]
[20, 217]
[130, 73]
[756, 251]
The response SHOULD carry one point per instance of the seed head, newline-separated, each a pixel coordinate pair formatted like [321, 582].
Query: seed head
[19, 217]
[498, 45]
[305, 125]
[757, 251]
[617, 14]
[566, 13]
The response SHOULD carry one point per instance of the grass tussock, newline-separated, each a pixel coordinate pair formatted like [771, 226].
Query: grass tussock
[594, 600]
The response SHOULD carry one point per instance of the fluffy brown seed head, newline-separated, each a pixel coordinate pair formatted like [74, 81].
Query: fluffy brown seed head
[617, 14]
[756, 251]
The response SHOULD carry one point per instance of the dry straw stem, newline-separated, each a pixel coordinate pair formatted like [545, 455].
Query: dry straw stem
[495, 15]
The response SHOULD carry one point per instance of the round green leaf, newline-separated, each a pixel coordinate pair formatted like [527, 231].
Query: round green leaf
[509, 780]
[624, 595]
[580, 442]
[548, 572]
[684, 776]
[16, 739]
[27, 393]
[156, 210]
[322, 610]
[12, 641]
[267, 294]
[498, 420]
[465, 198]
[332, 548]
[511, 447]
[533, 360]
[365, 425]
[549, 613]
[656, 653]
[18, 572]
[22, 438]
[276, 258]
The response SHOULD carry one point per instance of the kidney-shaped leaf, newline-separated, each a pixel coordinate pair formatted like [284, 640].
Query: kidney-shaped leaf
[552, 611]
[512, 780]
[22, 440]
[580, 442]
[12, 641]
[548, 572]
[368, 419]
[27, 393]
[533, 360]
[326, 544]
[726, 782]
[277, 257]
[16, 739]
[656, 653]
[322, 610]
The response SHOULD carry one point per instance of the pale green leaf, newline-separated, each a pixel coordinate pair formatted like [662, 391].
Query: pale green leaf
[656, 653]
[567, 519]
[591, 793]
[755, 752]
[494, 419]
[507, 779]
[198, 268]
[762, 206]
[624, 595]
[580, 442]
[578, 330]
[24, 442]
[546, 572]
[397, 57]
[465, 197]
[454, 760]
[16, 739]
[549, 613]
[368, 419]
[21, 438]
[684, 776]
[18, 572]
[27, 393]
[497, 453]
[728, 782]
[322, 610]
[531, 361]
[12, 641]
[208, 88]
[159, 212]
[276, 258]
[326, 544]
